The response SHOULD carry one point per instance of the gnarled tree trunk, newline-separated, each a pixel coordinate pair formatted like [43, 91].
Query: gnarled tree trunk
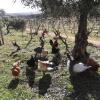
[79, 51]
[81, 38]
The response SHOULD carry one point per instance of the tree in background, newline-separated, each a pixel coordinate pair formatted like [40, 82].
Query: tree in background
[19, 24]
[7, 22]
[14, 23]
[1, 33]
[2, 12]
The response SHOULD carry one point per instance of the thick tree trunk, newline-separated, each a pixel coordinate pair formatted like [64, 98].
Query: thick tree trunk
[79, 51]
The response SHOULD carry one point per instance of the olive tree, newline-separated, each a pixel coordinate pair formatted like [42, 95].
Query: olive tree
[15, 23]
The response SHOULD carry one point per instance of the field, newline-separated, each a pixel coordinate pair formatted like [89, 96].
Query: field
[60, 79]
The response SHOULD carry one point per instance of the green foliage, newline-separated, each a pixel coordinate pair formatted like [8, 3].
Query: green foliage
[59, 8]
[15, 23]
[18, 24]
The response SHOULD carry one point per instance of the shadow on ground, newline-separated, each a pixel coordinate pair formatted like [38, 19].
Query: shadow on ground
[44, 84]
[86, 86]
[13, 84]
